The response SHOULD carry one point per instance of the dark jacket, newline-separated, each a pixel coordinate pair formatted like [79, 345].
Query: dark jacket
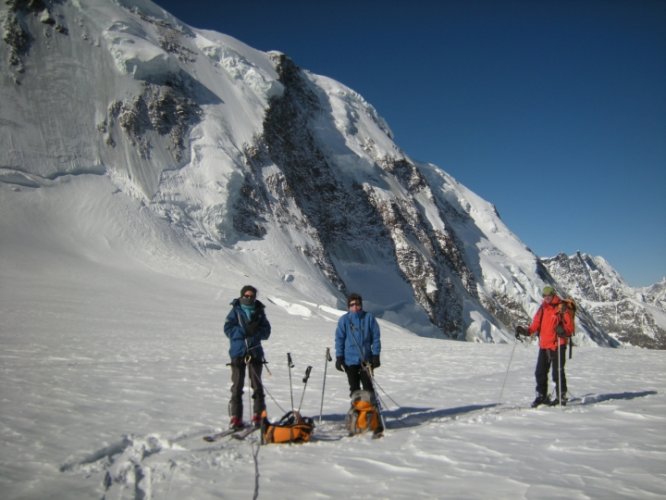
[235, 329]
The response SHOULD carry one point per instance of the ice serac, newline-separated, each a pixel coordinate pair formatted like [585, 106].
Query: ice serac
[243, 151]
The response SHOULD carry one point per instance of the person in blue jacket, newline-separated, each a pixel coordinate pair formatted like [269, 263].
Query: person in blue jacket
[246, 326]
[357, 345]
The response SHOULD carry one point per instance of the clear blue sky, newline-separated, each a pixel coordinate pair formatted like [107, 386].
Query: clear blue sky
[555, 111]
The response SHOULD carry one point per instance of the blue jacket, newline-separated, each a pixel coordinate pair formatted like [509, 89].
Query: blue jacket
[234, 329]
[357, 330]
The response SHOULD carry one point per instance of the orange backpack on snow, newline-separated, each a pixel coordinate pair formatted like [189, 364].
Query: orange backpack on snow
[363, 415]
[292, 428]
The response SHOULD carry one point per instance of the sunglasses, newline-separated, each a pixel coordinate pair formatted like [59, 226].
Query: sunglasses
[354, 304]
[248, 296]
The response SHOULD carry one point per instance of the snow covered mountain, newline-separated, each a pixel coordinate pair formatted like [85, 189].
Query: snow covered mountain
[633, 316]
[219, 150]
[656, 294]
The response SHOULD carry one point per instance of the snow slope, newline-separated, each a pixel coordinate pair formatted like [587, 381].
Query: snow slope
[113, 366]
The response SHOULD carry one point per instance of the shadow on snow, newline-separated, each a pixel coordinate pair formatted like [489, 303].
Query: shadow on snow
[407, 416]
[589, 399]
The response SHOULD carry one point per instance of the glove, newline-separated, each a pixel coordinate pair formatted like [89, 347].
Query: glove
[251, 328]
[522, 330]
[374, 362]
[559, 330]
[340, 364]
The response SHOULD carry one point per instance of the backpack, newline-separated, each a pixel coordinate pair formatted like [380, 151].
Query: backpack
[363, 415]
[567, 306]
[291, 428]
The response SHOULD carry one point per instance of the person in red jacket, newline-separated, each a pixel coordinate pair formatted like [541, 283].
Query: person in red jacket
[554, 327]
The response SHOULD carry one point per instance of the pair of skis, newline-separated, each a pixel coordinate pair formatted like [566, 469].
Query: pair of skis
[240, 434]
[246, 431]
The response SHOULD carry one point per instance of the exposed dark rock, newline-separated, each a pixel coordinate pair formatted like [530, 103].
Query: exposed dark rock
[166, 109]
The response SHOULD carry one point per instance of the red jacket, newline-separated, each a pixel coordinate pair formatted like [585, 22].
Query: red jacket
[546, 319]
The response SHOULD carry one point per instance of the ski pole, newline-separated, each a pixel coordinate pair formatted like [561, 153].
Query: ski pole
[305, 382]
[290, 364]
[506, 375]
[559, 373]
[323, 385]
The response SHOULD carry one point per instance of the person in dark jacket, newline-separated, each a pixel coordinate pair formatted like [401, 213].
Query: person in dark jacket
[554, 329]
[246, 326]
[357, 342]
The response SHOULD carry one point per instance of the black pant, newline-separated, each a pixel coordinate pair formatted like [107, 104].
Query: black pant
[254, 368]
[545, 361]
[357, 375]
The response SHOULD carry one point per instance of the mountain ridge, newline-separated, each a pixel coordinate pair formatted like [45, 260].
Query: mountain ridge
[632, 316]
[233, 147]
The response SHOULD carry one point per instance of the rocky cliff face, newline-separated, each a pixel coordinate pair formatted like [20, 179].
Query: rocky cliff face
[655, 294]
[353, 219]
[631, 316]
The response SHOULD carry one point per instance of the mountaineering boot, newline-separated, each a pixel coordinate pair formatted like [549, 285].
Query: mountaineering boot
[562, 400]
[235, 423]
[541, 399]
[258, 419]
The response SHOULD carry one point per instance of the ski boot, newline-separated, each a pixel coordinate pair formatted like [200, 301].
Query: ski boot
[541, 400]
[236, 424]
